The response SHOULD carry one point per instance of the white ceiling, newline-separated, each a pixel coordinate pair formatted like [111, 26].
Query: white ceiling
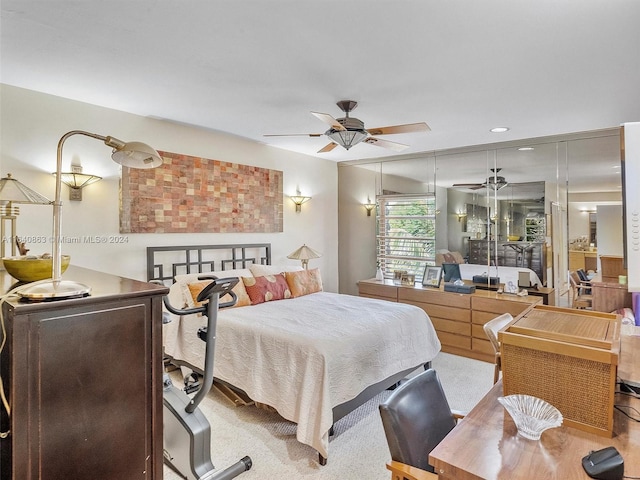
[260, 67]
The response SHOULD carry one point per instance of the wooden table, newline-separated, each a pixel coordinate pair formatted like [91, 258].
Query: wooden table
[485, 445]
[609, 295]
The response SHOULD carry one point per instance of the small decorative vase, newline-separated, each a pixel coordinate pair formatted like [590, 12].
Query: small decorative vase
[379, 275]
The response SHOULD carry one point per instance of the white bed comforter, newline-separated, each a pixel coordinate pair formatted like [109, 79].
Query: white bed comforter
[506, 274]
[304, 356]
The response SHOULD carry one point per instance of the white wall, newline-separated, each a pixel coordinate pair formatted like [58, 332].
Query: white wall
[32, 123]
[609, 230]
[581, 203]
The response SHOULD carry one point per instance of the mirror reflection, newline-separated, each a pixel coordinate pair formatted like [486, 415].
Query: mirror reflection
[529, 204]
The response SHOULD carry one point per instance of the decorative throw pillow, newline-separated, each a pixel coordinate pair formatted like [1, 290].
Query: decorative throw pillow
[304, 282]
[186, 278]
[266, 288]
[242, 301]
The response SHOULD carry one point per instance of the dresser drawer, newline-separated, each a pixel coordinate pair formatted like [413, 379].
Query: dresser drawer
[453, 340]
[373, 290]
[451, 326]
[440, 311]
[478, 332]
[482, 346]
[434, 296]
[480, 318]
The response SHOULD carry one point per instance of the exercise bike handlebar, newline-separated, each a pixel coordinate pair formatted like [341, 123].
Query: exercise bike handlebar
[218, 287]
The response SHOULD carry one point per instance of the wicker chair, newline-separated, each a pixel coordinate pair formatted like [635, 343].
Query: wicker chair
[579, 296]
[491, 328]
[416, 417]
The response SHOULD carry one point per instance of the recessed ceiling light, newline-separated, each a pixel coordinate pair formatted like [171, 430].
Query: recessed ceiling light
[499, 129]
[525, 149]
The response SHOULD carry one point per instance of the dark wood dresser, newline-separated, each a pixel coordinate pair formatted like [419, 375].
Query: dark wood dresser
[83, 378]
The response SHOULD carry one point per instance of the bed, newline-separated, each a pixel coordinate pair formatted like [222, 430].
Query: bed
[313, 358]
[469, 270]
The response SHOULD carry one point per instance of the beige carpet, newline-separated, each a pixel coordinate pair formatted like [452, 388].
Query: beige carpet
[357, 451]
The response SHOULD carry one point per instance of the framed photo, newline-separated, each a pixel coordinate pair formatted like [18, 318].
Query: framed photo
[397, 276]
[408, 279]
[432, 276]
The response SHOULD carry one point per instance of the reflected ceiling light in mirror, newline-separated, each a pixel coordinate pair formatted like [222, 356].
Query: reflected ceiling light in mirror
[499, 129]
[525, 149]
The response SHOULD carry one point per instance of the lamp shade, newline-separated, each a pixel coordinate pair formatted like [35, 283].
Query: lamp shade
[134, 154]
[11, 190]
[78, 180]
[304, 254]
[347, 138]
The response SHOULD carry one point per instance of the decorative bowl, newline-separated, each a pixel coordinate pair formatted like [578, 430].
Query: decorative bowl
[29, 268]
[531, 415]
[513, 238]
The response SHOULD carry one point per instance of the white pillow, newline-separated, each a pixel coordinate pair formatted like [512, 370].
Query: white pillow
[261, 270]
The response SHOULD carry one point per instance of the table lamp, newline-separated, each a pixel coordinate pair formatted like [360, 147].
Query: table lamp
[304, 254]
[14, 192]
[127, 154]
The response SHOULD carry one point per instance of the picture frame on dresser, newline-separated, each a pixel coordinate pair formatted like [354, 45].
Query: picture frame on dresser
[432, 276]
[408, 279]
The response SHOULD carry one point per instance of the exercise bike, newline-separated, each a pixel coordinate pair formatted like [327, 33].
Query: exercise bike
[187, 433]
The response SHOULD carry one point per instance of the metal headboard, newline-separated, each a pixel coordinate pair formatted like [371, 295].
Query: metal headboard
[203, 258]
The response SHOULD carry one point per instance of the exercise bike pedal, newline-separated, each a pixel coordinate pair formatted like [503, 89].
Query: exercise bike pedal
[191, 383]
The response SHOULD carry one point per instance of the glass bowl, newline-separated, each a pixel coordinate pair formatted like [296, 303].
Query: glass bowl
[531, 415]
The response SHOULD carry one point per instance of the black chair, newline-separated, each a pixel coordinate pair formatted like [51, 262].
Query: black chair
[416, 417]
[584, 279]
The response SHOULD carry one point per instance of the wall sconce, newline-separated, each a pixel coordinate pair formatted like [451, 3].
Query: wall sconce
[461, 215]
[76, 181]
[369, 206]
[299, 199]
[127, 154]
[304, 254]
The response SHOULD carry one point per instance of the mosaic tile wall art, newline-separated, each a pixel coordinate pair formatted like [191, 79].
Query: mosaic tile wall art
[197, 195]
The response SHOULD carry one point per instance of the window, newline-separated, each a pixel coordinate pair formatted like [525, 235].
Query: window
[406, 233]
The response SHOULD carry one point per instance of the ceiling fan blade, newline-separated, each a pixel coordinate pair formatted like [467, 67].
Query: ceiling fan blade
[329, 120]
[328, 147]
[293, 135]
[408, 128]
[472, 186]
[378, 142]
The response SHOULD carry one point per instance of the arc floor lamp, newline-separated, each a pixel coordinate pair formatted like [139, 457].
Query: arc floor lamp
[127, 154]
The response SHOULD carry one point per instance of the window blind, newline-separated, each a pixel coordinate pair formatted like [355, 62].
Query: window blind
[406, 233]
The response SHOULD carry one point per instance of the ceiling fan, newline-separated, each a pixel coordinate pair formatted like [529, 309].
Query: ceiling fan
[349, 131]
[495, 182]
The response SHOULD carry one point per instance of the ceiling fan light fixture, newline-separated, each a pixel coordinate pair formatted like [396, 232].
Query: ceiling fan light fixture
[347, 138]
